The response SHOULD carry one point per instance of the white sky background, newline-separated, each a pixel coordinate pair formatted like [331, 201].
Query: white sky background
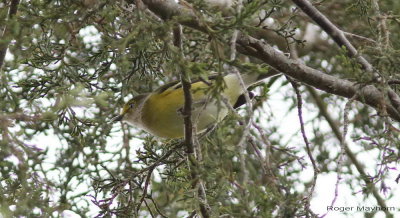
[289, 126]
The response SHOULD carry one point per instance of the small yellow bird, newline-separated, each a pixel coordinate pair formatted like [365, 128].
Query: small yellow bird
[160, 112]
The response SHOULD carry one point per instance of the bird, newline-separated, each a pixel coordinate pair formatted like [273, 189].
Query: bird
[160, 112]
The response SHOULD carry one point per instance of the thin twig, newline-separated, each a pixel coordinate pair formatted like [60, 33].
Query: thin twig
[125, 141]
[146, 185]
[360, 37]
[294, 55]
[4, 45]
[308, 145]
[383, 32]
[157, 208]
[340, 160]
[249, 105]
[158, 161]
[188, 130]
[193, 214]
[270, 173]
[148, 207]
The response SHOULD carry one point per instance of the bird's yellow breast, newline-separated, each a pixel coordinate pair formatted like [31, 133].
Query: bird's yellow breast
[162, 112]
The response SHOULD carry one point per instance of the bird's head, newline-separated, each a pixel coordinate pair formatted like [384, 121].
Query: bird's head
[131, 110]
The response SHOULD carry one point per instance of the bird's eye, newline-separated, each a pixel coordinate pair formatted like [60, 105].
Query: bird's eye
[131, 105]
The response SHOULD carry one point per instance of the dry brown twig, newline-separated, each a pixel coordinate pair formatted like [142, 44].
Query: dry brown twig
[308, 145]
[189, 138]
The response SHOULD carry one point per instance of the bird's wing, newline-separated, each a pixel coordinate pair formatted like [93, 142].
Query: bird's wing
[177, 84]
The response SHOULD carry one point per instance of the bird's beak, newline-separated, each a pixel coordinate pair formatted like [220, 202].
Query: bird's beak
[117, 118]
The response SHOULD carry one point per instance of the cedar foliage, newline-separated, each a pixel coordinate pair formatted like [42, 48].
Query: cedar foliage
[74, 64]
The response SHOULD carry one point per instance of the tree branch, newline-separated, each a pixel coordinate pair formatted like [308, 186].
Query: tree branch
[250, 46]
[337, 34]
[367, 94]
[339, 37]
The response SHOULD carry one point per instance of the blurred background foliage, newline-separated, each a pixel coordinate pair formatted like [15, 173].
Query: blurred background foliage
[71, 64]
